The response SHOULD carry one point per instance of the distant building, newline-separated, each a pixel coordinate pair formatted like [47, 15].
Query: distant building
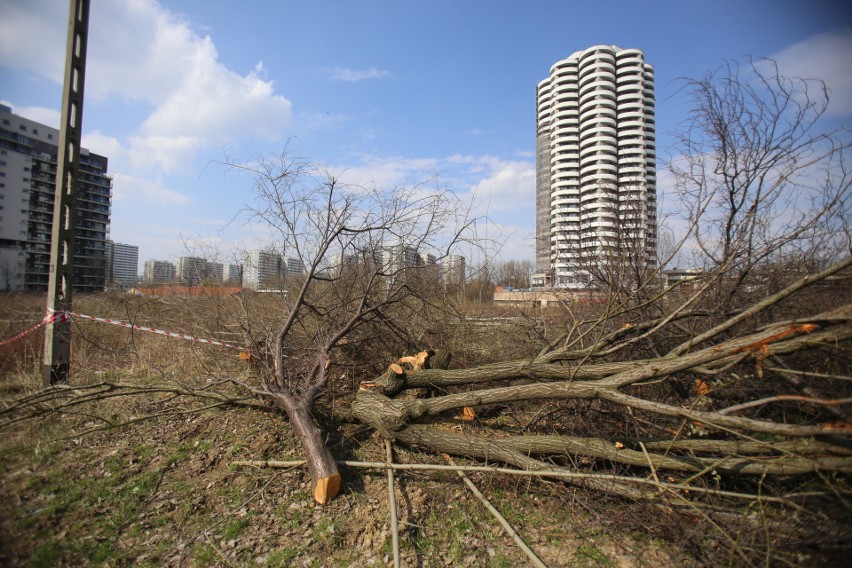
[191, 270]
[541, 280]
[454, 270]
[123, 263]
[426, 259]
[680, 275]
[28, 153]
[233, 274]
[399, 257]
[159, 272]
[366, 258]
[215, 272]
[263, 269]
[294, 266]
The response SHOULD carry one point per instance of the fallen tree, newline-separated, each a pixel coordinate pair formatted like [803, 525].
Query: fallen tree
[561, 372]
[355, 244]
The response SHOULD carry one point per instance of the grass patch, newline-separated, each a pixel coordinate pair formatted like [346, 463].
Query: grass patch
[234, 528]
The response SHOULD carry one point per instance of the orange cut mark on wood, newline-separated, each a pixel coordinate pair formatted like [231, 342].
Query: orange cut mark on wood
[396, 368]
[763, 344]
[844, 426]
[327, 489]
[415, 361]
[468, 414]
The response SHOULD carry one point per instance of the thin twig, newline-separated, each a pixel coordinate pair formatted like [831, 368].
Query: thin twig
[520, 472]
[808, 374]
[783, 397]
[392, 503]
[500, 518]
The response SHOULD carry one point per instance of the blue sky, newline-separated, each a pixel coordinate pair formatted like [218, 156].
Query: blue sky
[390, 92]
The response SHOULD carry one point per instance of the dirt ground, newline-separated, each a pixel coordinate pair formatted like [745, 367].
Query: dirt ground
[166, 493]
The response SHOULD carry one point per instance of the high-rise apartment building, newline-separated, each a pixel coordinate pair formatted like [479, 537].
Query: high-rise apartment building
[263, 269]
[123, 263]
[191, 270]
[595, 166]
[398, 257]
[294, 266]
[215, 272]
[159, 272]
[454, 270]
[27, 187]
[233, 274]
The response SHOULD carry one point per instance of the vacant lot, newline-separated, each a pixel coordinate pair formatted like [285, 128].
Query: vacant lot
[148, 477]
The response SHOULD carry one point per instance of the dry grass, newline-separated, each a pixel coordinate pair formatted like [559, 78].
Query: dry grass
[162, 491]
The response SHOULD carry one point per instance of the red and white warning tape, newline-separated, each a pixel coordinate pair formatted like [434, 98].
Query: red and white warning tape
[153, 330]
[24, 333]
[55, 316]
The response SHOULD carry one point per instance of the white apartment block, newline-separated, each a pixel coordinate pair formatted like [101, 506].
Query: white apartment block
[398, 257]
[595, 165]
[191, 270]
[294, 266]
[454, 270]
[233, 274]
[215, 272]
[159, 272]
[263, 269]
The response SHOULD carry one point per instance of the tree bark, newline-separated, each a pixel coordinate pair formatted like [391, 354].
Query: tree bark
[321, 464]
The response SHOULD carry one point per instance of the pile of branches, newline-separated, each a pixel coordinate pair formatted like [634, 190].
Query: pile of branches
[794, 430]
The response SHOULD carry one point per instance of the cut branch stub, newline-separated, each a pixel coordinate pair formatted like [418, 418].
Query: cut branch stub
[390, 382]
[384, 414]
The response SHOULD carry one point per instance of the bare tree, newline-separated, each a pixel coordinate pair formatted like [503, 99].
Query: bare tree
[758, 176]
[368, 252]
[515, 273]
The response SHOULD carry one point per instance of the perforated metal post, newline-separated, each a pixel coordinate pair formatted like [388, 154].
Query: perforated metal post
[57, 334]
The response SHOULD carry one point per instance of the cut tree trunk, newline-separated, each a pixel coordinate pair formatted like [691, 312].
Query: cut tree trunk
[321, 464]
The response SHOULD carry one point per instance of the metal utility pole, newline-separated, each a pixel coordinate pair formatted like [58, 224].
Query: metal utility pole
[57, 334]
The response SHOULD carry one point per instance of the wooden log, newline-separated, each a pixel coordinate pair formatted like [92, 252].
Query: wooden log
[321, 464]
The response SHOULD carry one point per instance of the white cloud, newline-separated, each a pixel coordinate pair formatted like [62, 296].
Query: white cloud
[212, 104]
[508, 185]
[495, 183]
[501, 190]
[129, 189]
[104, 145]
[146, 55]
[388, 171]
[24, 20]
[356, 75]
[827, 57]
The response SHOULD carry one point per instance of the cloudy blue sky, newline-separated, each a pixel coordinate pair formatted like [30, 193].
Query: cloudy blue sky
[389, 91]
